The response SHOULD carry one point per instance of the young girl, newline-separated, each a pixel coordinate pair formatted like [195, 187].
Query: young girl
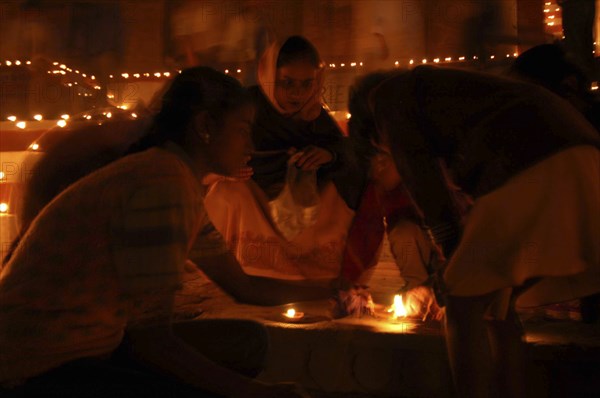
[292, 129]
[94, 276]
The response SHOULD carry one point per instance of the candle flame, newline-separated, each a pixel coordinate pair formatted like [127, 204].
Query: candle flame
[398, 309]
[290, 313]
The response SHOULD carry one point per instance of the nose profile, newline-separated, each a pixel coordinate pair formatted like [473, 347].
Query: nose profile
[295, 92]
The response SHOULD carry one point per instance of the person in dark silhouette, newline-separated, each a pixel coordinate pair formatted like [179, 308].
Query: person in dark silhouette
[578, 18]
[551, 67]
[86, 300]
[531, 164]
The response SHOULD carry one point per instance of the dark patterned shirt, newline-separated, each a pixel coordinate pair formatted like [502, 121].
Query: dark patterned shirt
[106, 254]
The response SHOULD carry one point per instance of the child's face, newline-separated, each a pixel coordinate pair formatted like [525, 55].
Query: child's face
[233, 144]
[295, 85]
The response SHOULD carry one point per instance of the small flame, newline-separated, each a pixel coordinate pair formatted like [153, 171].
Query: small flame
[398, 309]
[290, 313]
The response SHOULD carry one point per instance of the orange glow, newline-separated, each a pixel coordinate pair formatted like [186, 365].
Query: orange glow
[291, 315]
[397, 309]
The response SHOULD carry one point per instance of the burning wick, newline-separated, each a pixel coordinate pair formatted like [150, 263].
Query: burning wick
[292, 315]
[398, 309]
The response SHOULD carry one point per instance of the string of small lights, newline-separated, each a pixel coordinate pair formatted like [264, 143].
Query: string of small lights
[61, 69]
[553, 19]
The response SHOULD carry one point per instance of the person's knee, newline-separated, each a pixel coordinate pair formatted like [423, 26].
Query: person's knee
[240, 345]
[253, 347]
[255, 334]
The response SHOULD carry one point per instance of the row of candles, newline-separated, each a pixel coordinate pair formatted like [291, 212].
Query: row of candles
[62, 69]
[62, 122]
[397, 311]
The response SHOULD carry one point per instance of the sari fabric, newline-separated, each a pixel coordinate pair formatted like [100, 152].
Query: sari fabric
[240, 210]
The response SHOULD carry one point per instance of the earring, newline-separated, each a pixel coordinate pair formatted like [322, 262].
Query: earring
[205, 137]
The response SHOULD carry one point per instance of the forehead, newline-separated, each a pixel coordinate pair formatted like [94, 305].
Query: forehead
[299, 70]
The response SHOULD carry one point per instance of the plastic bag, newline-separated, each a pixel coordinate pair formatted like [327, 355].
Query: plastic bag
[297, 206]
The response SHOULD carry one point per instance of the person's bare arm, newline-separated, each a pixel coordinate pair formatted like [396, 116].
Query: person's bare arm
[225, 271]
[150, 274]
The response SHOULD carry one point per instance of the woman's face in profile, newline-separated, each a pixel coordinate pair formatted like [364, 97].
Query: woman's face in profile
[295, 84]
[230, 149]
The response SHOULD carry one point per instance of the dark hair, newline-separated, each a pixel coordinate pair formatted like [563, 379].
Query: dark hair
[298, 48]
[361, 126]
[548, 65]
[194, 90]
[91, 147]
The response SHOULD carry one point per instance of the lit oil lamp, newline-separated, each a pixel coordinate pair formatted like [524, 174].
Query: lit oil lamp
[397, 309]
[291, 315]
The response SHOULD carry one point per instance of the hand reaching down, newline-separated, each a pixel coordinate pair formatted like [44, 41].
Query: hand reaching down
[420, 302]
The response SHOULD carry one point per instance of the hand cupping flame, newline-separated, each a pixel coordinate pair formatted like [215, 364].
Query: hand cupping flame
[420, 303]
